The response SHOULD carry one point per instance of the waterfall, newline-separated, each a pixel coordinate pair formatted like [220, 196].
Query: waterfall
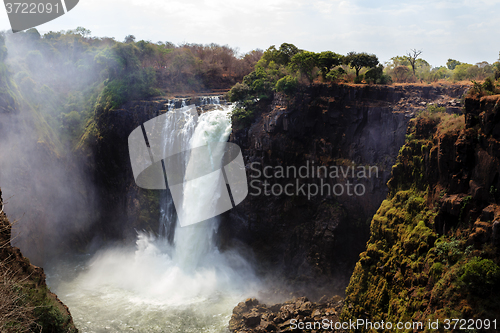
[177, 281]
[183, 132]
[206, 100]
[192, 241]
[178, 130]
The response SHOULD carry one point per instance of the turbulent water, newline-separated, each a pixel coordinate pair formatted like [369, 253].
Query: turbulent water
[178, 282]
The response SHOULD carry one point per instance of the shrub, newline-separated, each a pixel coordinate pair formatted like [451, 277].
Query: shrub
[15, 315]
[481, 276]
[335, 74]
[488, 87]
[238, 92]
[376, 75]
[359, 79]
[242, 117]
[433, 108]
[402, 73]
[287, 84]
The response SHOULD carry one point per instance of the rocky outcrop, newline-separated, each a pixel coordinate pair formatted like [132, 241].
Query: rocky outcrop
[26, 302]
[295, 315]
[434, 250]
[324, 125]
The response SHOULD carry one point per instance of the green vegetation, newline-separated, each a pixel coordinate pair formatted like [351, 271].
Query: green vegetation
[360, 60]
[409, 271]
[481, 276]
[70, 77]
[288, 69]
[26, 304]
[488, 87]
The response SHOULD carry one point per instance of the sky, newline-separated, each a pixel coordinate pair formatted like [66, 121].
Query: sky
[465, 30]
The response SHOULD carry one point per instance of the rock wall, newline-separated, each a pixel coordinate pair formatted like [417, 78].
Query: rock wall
[27, 303]
[328, 125]
[433, 252]
[324, 125]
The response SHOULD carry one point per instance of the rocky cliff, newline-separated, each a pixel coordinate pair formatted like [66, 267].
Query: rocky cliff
[323, 125]
[26, 304]
[339, 125]
[433, 252]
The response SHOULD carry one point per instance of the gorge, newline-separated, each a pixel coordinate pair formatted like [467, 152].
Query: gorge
[283, 246]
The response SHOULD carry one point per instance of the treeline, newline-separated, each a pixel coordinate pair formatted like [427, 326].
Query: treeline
[281, 70]
[68, 75]
[285, 68]
[400, 70]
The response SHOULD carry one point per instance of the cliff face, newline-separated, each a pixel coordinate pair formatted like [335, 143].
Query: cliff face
[122, 207]
[433, 251]
[119, 200]
[339, 125]
[26, 302]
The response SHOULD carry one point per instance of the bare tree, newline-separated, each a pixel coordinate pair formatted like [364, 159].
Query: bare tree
[412, 57]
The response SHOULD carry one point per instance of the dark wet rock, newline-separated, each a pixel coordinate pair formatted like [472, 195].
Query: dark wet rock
[283, 317]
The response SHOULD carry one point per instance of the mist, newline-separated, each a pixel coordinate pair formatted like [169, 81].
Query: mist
[72, 212]
[47, 192]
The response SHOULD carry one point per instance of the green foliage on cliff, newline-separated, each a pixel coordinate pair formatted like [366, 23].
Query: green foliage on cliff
[411, 269]
[26, 304]
[13, 101]
[282, 70]
[49, 317]
[287, 84]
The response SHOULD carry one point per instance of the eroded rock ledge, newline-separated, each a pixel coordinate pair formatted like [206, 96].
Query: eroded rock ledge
[252, 317]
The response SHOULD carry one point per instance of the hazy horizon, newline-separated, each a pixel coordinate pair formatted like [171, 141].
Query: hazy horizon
[443, 29]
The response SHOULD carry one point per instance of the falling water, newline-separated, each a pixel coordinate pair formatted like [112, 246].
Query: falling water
[206, 100]
[178, 282]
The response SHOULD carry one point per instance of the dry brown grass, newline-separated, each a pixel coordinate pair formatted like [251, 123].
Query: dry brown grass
[451, 123]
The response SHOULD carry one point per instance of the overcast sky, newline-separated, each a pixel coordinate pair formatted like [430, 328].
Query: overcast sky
[466, 30]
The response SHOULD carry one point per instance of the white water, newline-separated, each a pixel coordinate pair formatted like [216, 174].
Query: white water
[157, 286]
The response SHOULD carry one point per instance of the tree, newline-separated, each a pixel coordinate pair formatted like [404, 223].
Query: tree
[360, 60]
[287, 84]
[398, 61]
[129, 39]
[304, 62]
[281, 56]
[496, 65]
[401, 73]
[286, 52]
[327, 60]
[412, 58]
[82, 32]
[463, 72]
[452, 63]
